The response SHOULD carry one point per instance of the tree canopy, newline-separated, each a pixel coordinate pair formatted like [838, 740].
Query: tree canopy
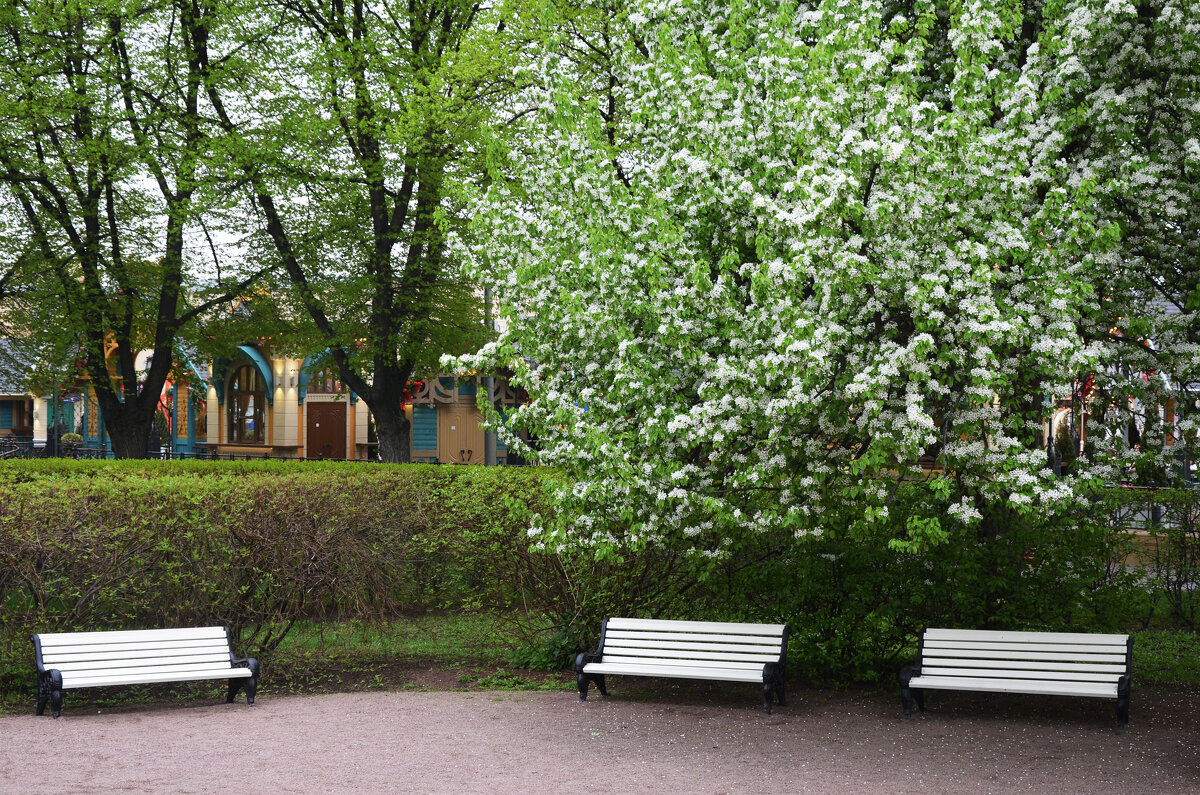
[823, 242]
[107, 168]
[361, 145]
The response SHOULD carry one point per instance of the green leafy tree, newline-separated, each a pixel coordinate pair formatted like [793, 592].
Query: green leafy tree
[360, 147]
[1124, 78]
[106, 166]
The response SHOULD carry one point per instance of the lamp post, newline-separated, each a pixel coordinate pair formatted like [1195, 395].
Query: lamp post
[489, 384]
[56, 411]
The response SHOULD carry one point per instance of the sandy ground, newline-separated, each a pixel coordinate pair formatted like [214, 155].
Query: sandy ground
[678, 740]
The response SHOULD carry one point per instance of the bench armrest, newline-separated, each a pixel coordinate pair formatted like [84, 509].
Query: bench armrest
[245, 662]
[585, 658]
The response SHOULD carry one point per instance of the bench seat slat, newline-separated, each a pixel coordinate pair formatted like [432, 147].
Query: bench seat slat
[1095, 690]
[130, 635]
[1021, 665]
[680, 671]
[716, 627]
[1008, 673]
[669, 661]
[150, 668]
[151, 677]
[1012, 636]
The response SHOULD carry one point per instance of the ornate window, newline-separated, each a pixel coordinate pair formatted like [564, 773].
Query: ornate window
[200, 412]
[93, 416]
[325, 382]
[247, 401]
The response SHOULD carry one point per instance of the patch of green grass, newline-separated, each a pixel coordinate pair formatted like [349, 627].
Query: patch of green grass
[507, 680]
[454, 637]
[1166, 658]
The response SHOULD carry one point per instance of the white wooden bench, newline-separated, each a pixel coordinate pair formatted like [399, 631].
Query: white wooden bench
[722, 651]
[1037, 663]
[68, 660]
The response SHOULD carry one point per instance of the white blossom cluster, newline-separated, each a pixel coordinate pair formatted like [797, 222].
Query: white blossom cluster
[1128, 80]
[822, 243]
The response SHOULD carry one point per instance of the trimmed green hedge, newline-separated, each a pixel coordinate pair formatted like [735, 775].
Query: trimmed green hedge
[259, 545]
[256, 545]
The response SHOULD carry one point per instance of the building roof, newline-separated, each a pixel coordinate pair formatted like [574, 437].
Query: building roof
[14, 370]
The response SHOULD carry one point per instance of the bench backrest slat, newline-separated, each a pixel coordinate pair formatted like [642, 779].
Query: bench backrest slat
[119, 649]
[714, 627]
[685, 653]
[699, 637]
[1050, 656]
[1013, 636]
[693, 643]
[1070, 648]
[131, 635]
[70, 654]
[685, 643]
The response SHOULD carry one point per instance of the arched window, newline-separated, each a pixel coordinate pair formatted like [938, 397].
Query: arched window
[247, 406]
[200, 412]
[325, 382]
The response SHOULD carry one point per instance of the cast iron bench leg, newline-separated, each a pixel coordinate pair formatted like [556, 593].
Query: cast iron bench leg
[56, 698]
[1122, 703]
[907, 694]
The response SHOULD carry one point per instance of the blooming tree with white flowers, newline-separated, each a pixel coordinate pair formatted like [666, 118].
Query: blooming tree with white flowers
[1128, 77]
[822, 243]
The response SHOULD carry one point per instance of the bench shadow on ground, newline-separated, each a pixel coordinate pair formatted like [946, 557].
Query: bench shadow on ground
[956, 711]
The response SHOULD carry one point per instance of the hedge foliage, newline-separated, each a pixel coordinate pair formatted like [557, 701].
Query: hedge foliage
[255, 545]
[259, 545]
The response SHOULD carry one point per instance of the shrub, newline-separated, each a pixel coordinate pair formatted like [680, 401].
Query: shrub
[256, 545]
[856, 605]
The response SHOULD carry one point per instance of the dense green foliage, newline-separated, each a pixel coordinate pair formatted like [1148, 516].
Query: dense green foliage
[257, 546]
[107, 172]
[260, 545]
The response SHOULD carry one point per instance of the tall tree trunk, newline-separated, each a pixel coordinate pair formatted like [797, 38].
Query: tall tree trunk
[129, 440]
[394, 430]
[128, 425]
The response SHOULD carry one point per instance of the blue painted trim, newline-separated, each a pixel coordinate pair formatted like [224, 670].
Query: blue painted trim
[221, 367]
[264, 369]
[306, 370]
[307, 367]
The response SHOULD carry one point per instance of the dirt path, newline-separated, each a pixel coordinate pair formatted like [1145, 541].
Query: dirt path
[678, 741]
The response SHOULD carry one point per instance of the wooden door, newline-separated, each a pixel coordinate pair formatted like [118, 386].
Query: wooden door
[326, 430]
[460, 439]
